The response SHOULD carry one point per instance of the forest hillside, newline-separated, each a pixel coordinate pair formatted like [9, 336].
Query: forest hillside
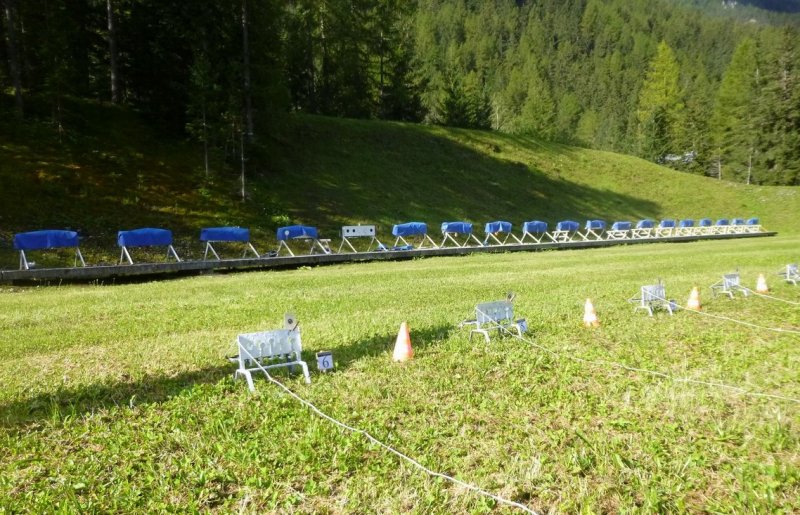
[115, 170]
[706, 87]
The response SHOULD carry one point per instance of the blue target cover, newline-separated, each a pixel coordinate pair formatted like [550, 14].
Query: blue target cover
[737, 221]
[47, 239]
[225, 234]
[410, 229]
[753, 221]
[644, 224]
[723, 221]
[567, 225]
[621, 226]
[495, 227]
[457, 227]
[666, 224]
[595, 225]
[296, 231]
[145, 237]
[704, 222]
[686, 223]
[534, 226]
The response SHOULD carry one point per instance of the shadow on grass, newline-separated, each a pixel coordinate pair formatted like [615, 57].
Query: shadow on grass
[113, 173]
[383, 344]
[392, 173]
[86, 399]
[159, 388]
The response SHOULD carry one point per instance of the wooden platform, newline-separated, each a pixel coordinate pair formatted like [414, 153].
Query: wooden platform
[160, 270]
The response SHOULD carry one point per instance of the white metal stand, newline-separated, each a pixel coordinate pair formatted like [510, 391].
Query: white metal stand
[729, 285]
[359, 231]
[651, 297]
[451, 236]
[210, 247]
[126, 256]
[24, 265]
[424, 238]
[264, 347]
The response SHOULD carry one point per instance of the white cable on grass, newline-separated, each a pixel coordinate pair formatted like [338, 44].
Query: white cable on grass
[714, 384]
[772, 297]
[749, 324]
[736, 321]
[394, 451]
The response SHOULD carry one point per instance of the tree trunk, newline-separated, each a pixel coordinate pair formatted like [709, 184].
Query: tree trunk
[205, 141]
[248, 101]
[54, 91]
[112, 54]
[381, 50]
[322, 94]
[13, 54]
[241, 148]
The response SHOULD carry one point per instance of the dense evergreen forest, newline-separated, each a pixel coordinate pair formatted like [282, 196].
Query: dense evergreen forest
[674, 81]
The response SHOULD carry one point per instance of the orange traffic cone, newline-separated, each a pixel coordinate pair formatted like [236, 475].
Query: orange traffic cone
[589, 316]
[761, 284]
[694, 300]
[402, 347]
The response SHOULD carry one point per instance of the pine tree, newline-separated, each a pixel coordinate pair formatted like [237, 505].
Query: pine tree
[699, 106]
[538, 110]
[661, 110]
[734, 124]
[778, 110]
[301, 33]
[567, 115]
[113, 59]
[14, 61]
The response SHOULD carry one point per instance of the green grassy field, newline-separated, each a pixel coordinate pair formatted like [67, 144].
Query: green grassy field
[110, 170]
[118, 398]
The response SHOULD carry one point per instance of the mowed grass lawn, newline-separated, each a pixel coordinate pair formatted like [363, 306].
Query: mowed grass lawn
[118, 398]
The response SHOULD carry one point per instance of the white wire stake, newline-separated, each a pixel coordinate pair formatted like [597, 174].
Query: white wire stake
[392, 450]
[714, 384]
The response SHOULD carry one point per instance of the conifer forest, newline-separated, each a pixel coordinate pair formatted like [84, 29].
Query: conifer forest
[706, 87]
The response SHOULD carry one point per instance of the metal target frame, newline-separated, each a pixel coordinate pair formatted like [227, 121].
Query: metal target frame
[652, 297]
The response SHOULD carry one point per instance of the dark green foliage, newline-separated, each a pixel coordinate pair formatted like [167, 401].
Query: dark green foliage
[351, 58]
[777, 111]
[661, 110]
[773, 11]
[734, 121]
[656, 78]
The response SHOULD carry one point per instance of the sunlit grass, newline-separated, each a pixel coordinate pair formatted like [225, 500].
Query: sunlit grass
[118, 398]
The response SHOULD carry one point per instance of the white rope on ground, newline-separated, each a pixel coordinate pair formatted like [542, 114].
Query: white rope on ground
[714, 384]
[772, 298]
[736, 321]
[392, 450]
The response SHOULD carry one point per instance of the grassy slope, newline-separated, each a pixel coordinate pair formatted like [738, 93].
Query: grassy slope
[110, 172]
[443, 174]
[118, 398]
[133, 408]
